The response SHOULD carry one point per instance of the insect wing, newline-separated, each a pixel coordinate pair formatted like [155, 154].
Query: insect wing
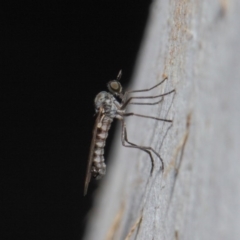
[90, 158]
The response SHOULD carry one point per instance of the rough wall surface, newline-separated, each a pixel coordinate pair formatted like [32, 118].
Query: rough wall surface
[197, 45]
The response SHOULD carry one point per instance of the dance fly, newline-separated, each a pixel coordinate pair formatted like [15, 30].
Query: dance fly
[108, 107]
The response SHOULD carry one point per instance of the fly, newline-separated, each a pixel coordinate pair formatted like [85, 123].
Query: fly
[107, 108]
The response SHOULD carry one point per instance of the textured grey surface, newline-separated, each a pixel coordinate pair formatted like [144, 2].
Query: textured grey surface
[197, 45]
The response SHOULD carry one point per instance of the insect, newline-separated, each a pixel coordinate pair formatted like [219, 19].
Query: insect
[108, 107]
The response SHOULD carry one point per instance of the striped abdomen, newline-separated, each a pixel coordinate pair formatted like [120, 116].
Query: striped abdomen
[98, 164]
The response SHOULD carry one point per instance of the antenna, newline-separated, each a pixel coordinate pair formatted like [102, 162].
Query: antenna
[119, 75]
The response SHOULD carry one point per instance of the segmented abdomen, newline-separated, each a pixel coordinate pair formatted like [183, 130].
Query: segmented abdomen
[98, 164]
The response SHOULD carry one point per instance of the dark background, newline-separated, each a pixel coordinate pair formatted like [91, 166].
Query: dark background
[54, 59]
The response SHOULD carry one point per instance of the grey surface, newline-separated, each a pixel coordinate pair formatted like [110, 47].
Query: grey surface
[197, 45]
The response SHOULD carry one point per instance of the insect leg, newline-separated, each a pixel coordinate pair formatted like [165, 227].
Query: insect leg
[148, 89]
[143, 148]
[145, 116]
[128, 101]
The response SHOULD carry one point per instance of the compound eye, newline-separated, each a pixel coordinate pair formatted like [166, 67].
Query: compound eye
[115, 87]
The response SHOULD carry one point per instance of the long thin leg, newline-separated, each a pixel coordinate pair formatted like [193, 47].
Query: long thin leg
[132, 145]
[145, 116]
[128, 101]
[143, 148]
[148, 89]
[153, 103]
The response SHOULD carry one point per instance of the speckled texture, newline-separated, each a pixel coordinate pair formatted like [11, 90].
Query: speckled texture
[197, 45]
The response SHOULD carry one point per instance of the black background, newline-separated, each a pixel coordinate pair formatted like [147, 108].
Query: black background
[54, 59]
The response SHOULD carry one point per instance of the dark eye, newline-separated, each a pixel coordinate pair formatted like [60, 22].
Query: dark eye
[115, 87]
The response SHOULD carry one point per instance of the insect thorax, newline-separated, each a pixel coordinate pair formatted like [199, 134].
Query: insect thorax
[108, 102]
